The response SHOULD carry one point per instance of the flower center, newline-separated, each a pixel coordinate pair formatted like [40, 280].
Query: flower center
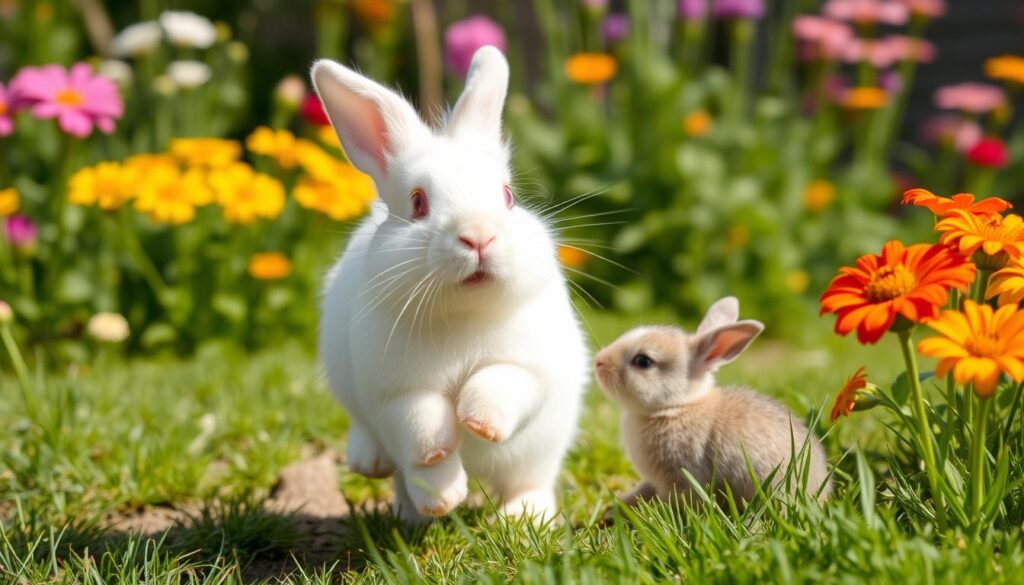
[3, 107]
[69, 97]
[890, 282]
[987, 346]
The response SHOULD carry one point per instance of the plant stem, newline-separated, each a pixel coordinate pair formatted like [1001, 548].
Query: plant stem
[979, 293]
[924, 429]
[978, 458]
[20, 368]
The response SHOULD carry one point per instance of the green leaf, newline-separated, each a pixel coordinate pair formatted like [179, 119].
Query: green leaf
[901, 388]
[231, 306]
[158, 334]
[74, 287]
[866, 481]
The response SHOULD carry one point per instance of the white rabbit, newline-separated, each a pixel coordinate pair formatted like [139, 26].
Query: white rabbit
[447, 331]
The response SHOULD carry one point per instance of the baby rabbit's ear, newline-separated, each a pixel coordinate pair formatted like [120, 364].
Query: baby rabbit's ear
[721, 345]
[725, 310]
[374, 123]
[479, 109]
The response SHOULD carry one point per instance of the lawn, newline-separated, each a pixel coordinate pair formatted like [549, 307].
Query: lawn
[171, 471]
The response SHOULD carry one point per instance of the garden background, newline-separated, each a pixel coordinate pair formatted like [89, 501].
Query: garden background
[171, 196]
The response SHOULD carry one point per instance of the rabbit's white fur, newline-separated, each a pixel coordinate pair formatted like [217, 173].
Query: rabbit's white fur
[443, 374]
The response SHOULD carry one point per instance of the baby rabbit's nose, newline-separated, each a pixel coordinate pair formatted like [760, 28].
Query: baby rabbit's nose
[477, 241]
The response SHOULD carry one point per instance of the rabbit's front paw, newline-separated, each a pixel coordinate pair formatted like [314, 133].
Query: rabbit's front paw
[481, 417]
[438, 489]
[366, 456]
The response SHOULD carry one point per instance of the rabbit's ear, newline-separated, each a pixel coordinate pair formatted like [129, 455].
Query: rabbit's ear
[725, 310]
[479, 108]
[374, 123]
[721, 345]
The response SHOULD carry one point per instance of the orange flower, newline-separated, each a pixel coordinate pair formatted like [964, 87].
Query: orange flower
[697, 123]
[571, 257]
[999, 238]
[591, 68]
[978, 344]
[943, 206]
[818, 195]
[909, 282]
[269, 266]
[1008, 283]
[864, 98]
[847, 397]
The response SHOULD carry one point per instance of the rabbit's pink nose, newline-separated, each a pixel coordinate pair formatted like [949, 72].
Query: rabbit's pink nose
[477, 241]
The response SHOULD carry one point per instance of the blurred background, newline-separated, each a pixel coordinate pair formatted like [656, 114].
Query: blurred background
[168, 181]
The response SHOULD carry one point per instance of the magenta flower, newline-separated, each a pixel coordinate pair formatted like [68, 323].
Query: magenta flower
[6, 111]
[748, 9]
[615, 28]
[464, 37]
[693, 9]
[949, 129]
[21, 232]
[973, 98]
[867, 11]
[77, 98]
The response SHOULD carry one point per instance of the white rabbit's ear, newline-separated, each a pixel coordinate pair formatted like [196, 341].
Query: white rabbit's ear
[374, 123]
[725, 310]
[721, 345]
[480, 107]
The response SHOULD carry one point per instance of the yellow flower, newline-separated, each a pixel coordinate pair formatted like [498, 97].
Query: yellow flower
[591, 68]
[106, 184]
[279, 145]
[697, 123]
[818, 195]
[211, 153]
[1006, 68]
[328, 136]
[797, 281]
[269, 266]
[345, 195]
[978, 344]
[1008, 283]
[169, 196]
[9, 202]
[245, 195]
[571, 257]
[142, 165]
[990, 241]
[864, 98]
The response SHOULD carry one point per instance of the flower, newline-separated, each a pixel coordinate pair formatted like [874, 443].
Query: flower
[143, 166]
[137, 39]
[188, 29]
[78, 98]
[998, 237]
[951, 130]
[822, 38]
[973, 98]
[211, 153]
[9, 201]
[279, 145]
[911, 282]
[21, 232]
[591, 68]
[189, 74]
[943, 206]
[106, 185]
[328, 136]
[315, 160]
[926, 8]
[747, 9]
[856, 394]
[269, 266]
[6, 314]
[904, 48]
[693, 9]
[245, 196]
[989, 152]
[863, 98]
[615, 28]
[345, 194]
[6, 109]
[1008, 284]
[313, 111]
[169, 196]
[978, 344]
[108, 327]
[697, 123]
[374, 13]
[818, 195]
[866, 12]
[463, 38]
[119, 71]
[291, 91]
[1006, 68]
[571, 257]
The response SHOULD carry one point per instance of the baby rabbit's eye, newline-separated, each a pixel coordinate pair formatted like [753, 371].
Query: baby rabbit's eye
[510, 198]
[642, 361]
[419, 204]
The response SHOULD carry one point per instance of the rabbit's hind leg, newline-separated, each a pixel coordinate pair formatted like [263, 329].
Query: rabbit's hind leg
[366, 455]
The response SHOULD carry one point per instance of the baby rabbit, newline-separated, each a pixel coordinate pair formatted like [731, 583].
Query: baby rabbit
[447, 330]
[675, 417]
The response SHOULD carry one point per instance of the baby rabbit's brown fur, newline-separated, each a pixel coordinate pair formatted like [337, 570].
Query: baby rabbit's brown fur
[675, 417]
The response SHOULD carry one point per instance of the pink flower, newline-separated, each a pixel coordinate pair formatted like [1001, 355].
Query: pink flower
[21, 232]
[77, 98]
[973, 98]
[989, 152]
[693, 9]
[910, 49]
[6, 109]
[746, 9]
[867, 11]
[822, 38]
[464, 37]
[953, 130]
[926, 8]
[615, 28]
[878, 53]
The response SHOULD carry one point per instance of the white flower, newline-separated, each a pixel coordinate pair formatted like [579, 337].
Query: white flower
[6, 313]
[188, 29]
[119, 71]
[188, 74]
[291, 90]
[138, 39]
[108, 327]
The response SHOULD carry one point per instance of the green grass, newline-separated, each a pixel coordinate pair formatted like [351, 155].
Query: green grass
[211, 434]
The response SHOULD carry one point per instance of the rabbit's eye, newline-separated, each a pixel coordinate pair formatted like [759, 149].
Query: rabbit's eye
[420, 208]
[642, 361]
[510, 198]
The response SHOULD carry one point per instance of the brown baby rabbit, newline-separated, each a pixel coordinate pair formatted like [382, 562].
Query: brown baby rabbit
[675, 417]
